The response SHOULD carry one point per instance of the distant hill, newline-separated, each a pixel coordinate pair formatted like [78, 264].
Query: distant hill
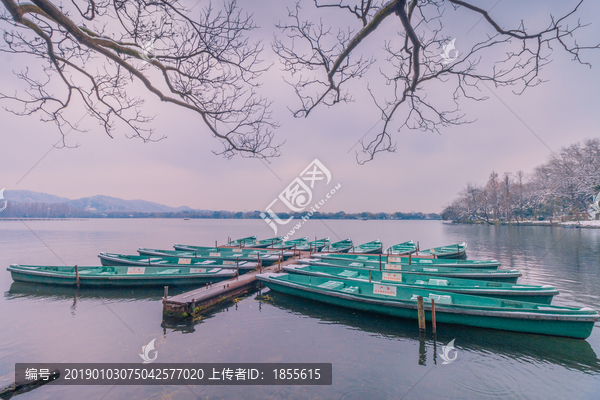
[97, 203]
[27, 196]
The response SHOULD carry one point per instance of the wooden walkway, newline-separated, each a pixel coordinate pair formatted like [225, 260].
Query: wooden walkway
[196, 301]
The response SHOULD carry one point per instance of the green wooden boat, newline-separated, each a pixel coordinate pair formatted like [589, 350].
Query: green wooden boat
[109, 259]
[454, 308]
[402, 248]
[499, 275]
[343, 246]
[458, 250]
[314, 245]
[116, 276]
[266, 242]
[373, 247]
[374, 261]
[228, 252]
[247, 241]
[531, 293]
[290, 244]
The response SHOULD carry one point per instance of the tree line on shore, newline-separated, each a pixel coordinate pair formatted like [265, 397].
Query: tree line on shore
[62, 210]
[563, 188]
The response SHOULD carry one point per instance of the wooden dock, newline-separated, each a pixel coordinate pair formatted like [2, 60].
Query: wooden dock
[192, 303]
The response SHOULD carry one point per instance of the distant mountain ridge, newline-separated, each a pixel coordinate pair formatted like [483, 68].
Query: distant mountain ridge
[99, 202]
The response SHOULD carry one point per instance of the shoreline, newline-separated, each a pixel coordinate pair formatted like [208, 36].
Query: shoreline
[594, 224]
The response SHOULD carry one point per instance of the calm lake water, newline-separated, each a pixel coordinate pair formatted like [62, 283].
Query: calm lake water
[373, 357]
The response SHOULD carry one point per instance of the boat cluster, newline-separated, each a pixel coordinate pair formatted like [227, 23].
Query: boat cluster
[364, 277]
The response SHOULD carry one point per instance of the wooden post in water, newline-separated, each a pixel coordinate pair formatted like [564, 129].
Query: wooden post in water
[409, 259]
[166, 292]
[149, 260]
[433, 315]
[421, 310]
[380, 262]
[279, 264]
[369, 276]
[237, 268]
[77, 275]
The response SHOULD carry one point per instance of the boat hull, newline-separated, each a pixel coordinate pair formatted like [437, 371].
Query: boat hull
[482, 319]
[116, 281]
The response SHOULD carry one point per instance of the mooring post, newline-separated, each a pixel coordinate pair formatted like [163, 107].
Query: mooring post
[166, 292]
[77, 275]
[421, 310]
[279, 263]
[433, 315]
[149, 260]
[217, 247]
[369, 276]
[237, 268]
[380, 262]
[409, 259]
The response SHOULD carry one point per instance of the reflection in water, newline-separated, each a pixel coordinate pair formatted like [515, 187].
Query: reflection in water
[422, 349]
[23, 290]
[526, 348]
[188, 325]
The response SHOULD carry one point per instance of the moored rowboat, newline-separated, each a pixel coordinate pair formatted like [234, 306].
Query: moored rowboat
[484, 312]
[412, 261]
[531, 293]
[108, 259]
[314, 245]
[247, 241]
[402, 248]
[115, 276]
[376, 261]
[290, 244]
[265, 242]
[226, 252]
[451, 251]
[373, 247]
[509, 276]
[343, 246]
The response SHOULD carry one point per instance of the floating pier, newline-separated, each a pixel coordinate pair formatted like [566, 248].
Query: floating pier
[193, 303]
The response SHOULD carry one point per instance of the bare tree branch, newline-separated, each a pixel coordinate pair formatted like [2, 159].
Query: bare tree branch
[322, 63]
[203, 64]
